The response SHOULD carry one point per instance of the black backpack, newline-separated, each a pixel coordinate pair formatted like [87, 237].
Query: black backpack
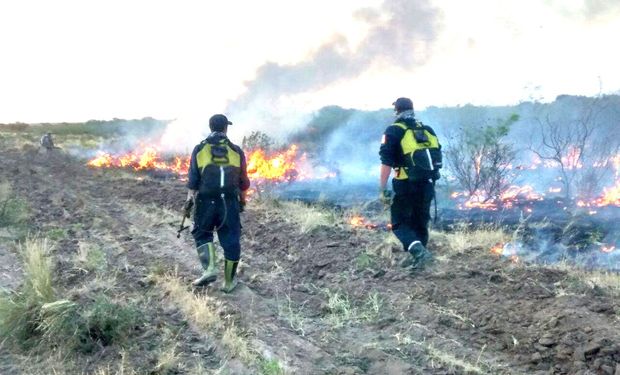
[422, 151]
[220, 166]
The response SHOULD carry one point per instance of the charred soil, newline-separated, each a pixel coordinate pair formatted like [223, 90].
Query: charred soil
[322, 299]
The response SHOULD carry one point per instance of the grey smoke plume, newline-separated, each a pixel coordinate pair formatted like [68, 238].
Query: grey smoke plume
[596, 8]
[590, 9]
[401, 33]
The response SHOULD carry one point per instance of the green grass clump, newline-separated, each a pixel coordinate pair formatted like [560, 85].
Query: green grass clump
[87, 327]
[13, 210]
[270, 367]
[107, 322]
[20, 311]
[90, 257]
[56, 234]
[33, 315]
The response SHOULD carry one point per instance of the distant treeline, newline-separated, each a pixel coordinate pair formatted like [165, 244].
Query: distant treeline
[147, 125]
[364, 127]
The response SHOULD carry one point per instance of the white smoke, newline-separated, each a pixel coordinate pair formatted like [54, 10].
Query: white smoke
[401, 33]
[181, 135]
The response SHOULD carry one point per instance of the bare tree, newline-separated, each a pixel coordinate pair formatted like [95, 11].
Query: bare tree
[574, 140]
[257, 140]
[481, 161]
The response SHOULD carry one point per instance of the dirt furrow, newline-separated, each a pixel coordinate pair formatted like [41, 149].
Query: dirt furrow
[331, 299]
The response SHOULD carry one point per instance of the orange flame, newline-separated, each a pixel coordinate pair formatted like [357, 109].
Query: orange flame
[275, 167]
[283, 166]
[148, 157]
[501, 249]
[359, 221]
[610, 197]
[278, 167]
[507, 199]
[572, 160]
[498, 249]
[608, 248]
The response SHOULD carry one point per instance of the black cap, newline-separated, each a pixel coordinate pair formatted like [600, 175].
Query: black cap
[218, 123]
[402, 104]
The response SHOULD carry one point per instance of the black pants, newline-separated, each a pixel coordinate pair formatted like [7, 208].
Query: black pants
[215, 213]
[410, 210]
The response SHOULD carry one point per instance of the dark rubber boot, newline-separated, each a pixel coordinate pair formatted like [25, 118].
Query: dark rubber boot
[418, 257]
[230, 272]
[206, 253]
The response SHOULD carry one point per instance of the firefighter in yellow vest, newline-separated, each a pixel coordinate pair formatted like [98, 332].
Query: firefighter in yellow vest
[217, 181]
[412, 150]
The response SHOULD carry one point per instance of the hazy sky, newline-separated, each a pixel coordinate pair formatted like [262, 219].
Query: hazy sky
[78, 60]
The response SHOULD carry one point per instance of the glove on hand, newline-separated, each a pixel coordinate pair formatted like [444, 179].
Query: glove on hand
[187, 207]
[385, 197]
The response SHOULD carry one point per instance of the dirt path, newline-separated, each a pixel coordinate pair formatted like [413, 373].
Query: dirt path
[317, 302]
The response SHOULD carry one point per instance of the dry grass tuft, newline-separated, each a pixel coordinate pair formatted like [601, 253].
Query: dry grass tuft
[450, 360]
[445, 358]
[293, 315]
[237, 345]
[206, 314]
[606, 280]
[342, 312]
[37, 269]
[33, 316]
[465, 238]
[306, 218]
[168, 360]
[202, 310]
[90, 257]
[386, 246]
[122, 368]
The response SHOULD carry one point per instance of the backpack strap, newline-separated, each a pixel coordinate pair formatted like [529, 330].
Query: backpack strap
[401, 125]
